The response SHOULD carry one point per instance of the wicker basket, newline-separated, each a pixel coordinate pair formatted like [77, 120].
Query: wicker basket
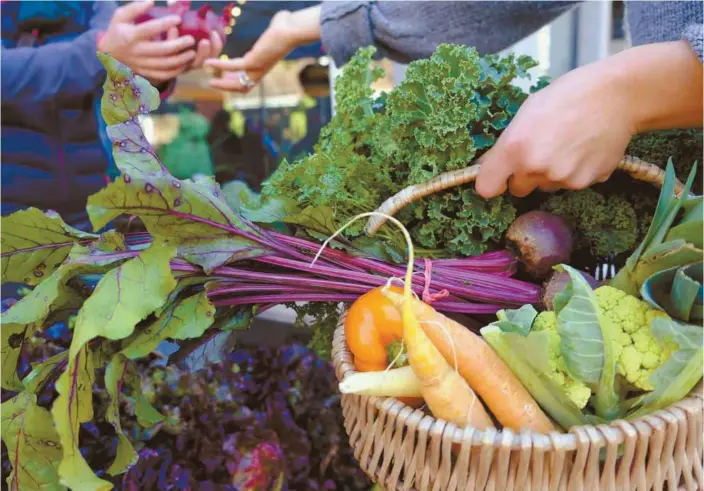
[402, 448]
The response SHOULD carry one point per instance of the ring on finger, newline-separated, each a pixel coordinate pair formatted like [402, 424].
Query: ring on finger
[245, 80]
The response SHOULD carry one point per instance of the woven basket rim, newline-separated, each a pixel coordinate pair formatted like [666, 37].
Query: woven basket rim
[342, 362]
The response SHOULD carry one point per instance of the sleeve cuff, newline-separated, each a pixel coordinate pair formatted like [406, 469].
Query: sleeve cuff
[98, 38]
[344, 28]
[694, 35]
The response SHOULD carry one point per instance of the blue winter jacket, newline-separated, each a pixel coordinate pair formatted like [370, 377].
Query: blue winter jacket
[52, 156]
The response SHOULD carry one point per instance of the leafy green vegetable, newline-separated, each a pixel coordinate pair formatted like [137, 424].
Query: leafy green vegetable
[125, 296]
[126, 455]
[34, 245]
[677, 291]
[191, 215]
[125, 95]
[587, 341]
[659, 250]
[31, 440]
[33, 382]
[681, 372]
[50, 298]
[72, 407]
[604, 224]
[683, 146]
[322, 318]
[188, 318]
[238, 194]
[690, 227]
[519, 320]
[448, 110]
[315, 219]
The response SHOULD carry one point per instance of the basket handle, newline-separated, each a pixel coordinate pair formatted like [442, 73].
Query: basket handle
[635, 167]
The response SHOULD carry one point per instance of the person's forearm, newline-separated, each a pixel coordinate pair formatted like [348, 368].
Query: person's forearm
[306, 26]
[662, 83]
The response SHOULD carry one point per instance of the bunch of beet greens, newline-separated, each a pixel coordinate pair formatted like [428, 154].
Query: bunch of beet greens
[200, 268]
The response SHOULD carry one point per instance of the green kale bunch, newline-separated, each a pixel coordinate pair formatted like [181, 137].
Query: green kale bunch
[610, 209]
[448, 111]
[603, 224]
[685, 146]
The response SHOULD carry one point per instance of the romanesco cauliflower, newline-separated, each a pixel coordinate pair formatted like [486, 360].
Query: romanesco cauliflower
[576, 390]
[638, 352]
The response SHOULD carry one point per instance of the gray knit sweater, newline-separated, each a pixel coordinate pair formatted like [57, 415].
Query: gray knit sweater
[404, 31]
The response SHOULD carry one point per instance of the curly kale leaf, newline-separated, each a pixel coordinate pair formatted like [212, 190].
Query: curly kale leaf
[340, 174]
[684, 146]
[449, 110]
[462, 221]
[322, 318]
[604, 224]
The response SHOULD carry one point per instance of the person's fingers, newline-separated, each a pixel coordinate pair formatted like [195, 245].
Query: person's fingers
[168, 62]
[155, 27]
[550, 187]
[230, 82]
[160, 75]
[521, 185]
[172, 33]
[216, 44]
[132, 10]
[229, 65]
[604, 177]
[202, 53]
[228, 85]
[165, 48]
[580, 180]
[496, 168]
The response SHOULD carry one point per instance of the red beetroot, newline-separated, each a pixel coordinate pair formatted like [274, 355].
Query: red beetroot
[543, 240]
[197, 23]
[557, 282]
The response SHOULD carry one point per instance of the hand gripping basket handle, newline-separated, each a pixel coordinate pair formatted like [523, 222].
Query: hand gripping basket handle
[637, 168]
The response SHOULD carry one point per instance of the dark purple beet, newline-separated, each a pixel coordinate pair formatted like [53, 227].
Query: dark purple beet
[556, 283]
[542, 240]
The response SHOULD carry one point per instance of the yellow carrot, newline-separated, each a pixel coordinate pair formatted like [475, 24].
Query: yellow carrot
[396, 382]
[446, 393]
[481, 367]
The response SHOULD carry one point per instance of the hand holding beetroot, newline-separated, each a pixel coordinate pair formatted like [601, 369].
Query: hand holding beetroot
[135, 45]
[161, 43]
[199, 24]
[203, 25]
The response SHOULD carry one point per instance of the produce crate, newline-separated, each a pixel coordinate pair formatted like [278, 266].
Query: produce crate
[406, 449]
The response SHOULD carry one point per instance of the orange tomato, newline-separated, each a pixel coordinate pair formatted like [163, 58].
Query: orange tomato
[371, 325]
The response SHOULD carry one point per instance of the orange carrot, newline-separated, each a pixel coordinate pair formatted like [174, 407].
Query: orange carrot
[481, 367]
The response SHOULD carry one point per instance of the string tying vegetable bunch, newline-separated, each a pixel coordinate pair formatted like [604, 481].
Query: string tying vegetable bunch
[201, 268]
